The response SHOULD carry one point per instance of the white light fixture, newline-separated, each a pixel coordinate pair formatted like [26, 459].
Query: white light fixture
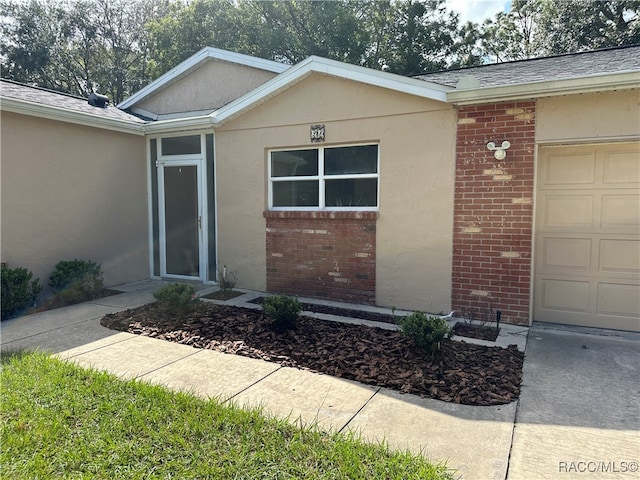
[499, 152]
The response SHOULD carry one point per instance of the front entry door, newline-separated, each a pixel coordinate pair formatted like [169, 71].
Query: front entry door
[180, 219]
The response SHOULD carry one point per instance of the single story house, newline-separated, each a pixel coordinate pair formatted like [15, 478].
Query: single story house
[511, 187]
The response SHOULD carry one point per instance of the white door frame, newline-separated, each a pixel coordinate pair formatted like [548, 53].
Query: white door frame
[177, 161]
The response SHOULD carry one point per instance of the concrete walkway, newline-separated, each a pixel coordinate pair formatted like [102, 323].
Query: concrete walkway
[525, 439]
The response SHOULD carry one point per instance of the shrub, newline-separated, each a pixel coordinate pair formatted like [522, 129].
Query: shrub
[19, 290]
[283, 310]
[427, 332]
[76, 280]
[177, 298]
[227, 280]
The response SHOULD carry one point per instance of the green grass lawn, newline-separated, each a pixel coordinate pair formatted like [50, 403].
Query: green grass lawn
[62, 421]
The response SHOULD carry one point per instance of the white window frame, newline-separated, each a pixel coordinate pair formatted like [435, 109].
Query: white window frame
[322, 178]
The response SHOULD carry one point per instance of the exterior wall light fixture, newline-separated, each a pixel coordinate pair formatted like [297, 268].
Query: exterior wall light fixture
[500, 152]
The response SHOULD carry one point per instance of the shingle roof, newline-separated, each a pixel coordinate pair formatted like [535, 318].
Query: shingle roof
[41, 96]
[561, 67]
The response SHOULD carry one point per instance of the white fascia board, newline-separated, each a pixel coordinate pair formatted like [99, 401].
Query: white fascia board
[332, 68]
[179, 124]
[64, 115]
[594, 83]
[195, 61]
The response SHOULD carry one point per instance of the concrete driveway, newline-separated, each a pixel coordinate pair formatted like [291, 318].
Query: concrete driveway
[579, 409]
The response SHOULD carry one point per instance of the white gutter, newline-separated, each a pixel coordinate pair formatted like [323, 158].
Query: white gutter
[179, 124]
[595, 83]
[71, 116]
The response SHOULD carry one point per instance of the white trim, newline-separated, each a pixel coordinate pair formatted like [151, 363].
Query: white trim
[194, 62]
[571, 86]
[50, 112]
[333, 68]
[184, 162]
[321, 179]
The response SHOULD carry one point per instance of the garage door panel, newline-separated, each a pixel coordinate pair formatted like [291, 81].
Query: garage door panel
[619, 256]
[567, 211]
[621, 212]
[570, 168]
[618, 299]
[621, 167]
[587, 247]
[564, 295]
[566, 253]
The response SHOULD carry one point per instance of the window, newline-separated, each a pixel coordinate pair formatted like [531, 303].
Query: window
[324, 178]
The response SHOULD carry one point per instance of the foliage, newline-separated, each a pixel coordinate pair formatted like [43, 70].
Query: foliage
[19, 290]
[97, 426]
[76, 280]
[284, 310]
[535, 28]
[227, 280]
[177, 298]
[427, 332]
[116, 47]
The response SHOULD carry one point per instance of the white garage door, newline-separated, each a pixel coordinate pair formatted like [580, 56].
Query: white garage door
[587, 268]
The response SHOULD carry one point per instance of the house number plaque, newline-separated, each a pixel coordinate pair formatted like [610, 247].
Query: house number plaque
[317, 133]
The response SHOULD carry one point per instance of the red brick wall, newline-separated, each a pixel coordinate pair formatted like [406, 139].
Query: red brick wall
[328, 255]
[493, 211]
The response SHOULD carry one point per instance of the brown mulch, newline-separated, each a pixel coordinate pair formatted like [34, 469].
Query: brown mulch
[458, 372]
[481, 332]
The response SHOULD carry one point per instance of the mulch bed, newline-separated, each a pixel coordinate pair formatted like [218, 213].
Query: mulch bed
[341, 312]
[458, 372]
[481, 332]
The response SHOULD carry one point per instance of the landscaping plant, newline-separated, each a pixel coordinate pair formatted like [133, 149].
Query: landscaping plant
[227, 280]
[426, 331]
[177, 298]
[76, 280]
[284, 311]
[19, 290]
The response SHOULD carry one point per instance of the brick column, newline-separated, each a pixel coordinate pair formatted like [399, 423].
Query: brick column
[493, 210]
[328, 255]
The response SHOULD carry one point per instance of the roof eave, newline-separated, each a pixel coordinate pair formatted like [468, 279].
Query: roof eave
[594, 83]
[333, 68]
[60, 114]
[175, 125]
[194, 62]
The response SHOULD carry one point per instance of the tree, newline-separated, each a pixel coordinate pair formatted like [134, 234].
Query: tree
[535, 28]
[586, 25]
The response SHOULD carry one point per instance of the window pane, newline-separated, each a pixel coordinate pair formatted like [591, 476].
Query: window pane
[294, 163]
[351, 160]
[181, 145]
[296, 193]
[357, 192]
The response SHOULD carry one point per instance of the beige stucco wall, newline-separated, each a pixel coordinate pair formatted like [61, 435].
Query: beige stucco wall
[70, 191]
[417, 144]
[589, 117]
[211, 86]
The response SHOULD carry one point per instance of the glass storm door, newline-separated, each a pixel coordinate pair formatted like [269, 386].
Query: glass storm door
[180, 219]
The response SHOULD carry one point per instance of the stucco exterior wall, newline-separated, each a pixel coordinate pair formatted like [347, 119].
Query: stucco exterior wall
[417, 141]
[70, 191]
[211, 86]
[589, 117]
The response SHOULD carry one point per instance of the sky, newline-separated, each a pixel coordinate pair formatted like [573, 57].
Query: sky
[477, 10]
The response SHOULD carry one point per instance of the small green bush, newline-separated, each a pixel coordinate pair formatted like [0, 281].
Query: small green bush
[284, 311]
[177, 298]
[76, 280]
[427, 332]
[19, 290]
